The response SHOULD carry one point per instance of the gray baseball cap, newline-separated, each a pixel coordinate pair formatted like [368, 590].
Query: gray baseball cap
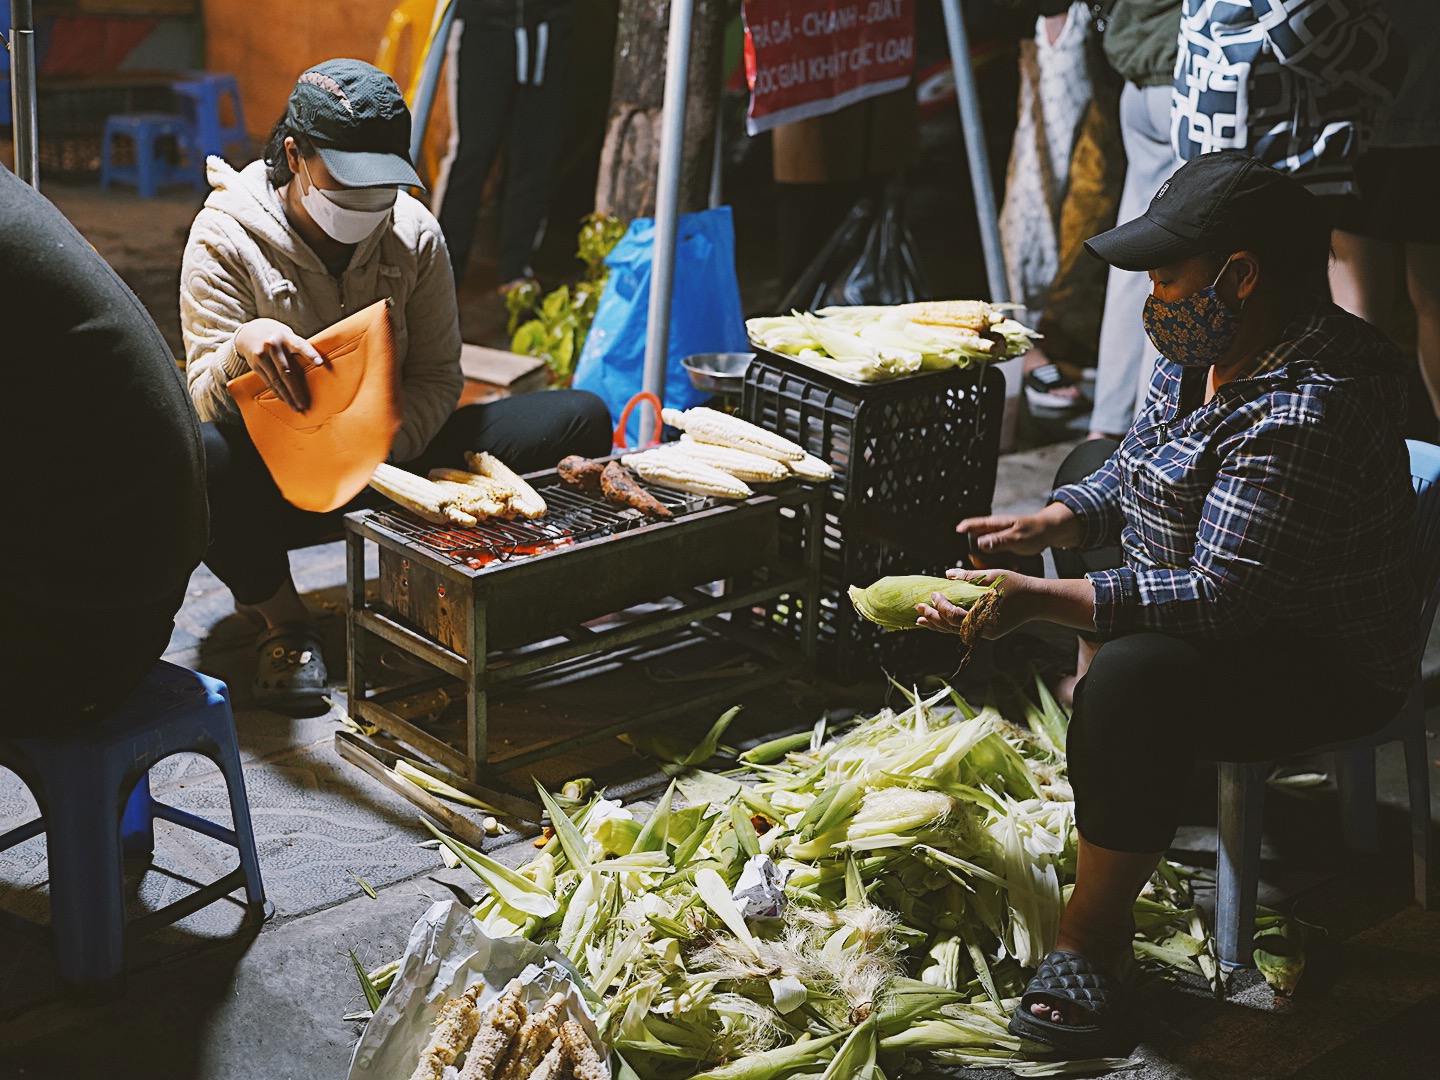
[359, 122]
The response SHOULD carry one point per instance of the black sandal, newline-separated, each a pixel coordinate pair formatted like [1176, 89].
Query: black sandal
[1040, 395]
[1067, 978]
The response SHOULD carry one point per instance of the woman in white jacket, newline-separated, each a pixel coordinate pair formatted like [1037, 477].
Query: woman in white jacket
[286, 247]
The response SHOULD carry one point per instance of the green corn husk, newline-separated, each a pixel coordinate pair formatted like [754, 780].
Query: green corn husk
[890, 602]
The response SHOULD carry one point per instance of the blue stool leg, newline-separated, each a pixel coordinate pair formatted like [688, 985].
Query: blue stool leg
[1237, 877]
[227, 756]
[146, 165]
[107, 152]
[1356, 780]
[87, 893]
[137, 824]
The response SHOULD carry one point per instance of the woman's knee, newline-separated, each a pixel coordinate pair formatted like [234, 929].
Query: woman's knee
[1138, 687]
[590, 431]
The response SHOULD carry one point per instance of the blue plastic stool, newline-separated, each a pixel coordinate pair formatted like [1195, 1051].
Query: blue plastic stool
[150, 170]
[93, 789]
[203, 95]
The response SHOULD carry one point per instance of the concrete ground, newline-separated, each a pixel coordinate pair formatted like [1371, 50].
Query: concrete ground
[204, 1001]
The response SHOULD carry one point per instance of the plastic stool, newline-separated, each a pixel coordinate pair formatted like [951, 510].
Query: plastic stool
[150, 171]
[93, 789]
[202, 94]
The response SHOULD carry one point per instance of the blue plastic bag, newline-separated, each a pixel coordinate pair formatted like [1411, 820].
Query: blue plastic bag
[705, 313]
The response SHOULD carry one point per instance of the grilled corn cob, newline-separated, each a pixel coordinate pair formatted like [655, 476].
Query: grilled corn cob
[476, 501]
[811, 467]
[534, 1041]
[496, 1035]
[584, 1061]
[464, 476]
[526, 500]
[677, 470]
[554, 1065]
[707, 425]
[459, 1019]
[741, 464]
[968, 314]
[418, 495]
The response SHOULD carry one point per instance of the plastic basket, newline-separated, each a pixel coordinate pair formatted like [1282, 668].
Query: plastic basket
[912, 457]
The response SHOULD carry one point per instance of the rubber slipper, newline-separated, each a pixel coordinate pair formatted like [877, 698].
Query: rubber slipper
[290, 673]
[1040, 387]
[1068, 979]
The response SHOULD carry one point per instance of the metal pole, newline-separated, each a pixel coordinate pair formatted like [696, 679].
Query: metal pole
[717, 187]
[974, 131]
[23, 115]
[667, 196]
[424, 101]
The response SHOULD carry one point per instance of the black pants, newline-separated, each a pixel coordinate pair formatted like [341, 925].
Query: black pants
[1152, 706]
[253, 528]
[529, 118]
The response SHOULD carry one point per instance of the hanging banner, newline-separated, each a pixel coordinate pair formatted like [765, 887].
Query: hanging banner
[807, 58]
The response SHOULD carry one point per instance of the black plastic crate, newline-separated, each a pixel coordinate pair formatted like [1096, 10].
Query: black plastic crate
[912, 457]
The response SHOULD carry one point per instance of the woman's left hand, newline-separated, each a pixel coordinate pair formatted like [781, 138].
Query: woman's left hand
[940, 614]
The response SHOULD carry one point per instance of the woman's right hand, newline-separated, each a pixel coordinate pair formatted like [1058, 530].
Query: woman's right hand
[1023, 534]
[279, 356]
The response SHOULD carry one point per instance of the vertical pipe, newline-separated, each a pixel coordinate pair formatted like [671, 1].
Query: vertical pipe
[23, 113]
[717, 190]
[973, 130]
[424, 102]
[667, 195]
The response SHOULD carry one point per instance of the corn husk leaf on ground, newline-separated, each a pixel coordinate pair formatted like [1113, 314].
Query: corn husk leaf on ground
[925, 854]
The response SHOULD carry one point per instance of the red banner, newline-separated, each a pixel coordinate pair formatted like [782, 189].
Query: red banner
[807, 58]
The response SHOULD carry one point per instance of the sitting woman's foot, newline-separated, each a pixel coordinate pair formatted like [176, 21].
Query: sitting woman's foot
[1049, 392]
[1075, 1005]
[290, 674]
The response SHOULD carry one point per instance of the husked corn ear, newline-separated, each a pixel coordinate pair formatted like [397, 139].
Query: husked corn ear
[534, 1041]
[475, 500]
[681, 471]
[553, 1065]
[811, 467]
[526, 500]
[456, 1026]
[722, 429]
[967, 314]
[418, 495]
[741, 464]
[584, 1061]
[496, 1035]
[463, 476]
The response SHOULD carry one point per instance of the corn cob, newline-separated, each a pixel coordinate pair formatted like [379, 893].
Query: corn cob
[458, 1021]
[687, 474]
[476, 501]
[811, 467]
[534, 1041]
[554, 1065]
[583, 1059]
[492, 1042]
[527, 500]
[969, 314]
[418, 495]
[464, 476]
[741, 464]
[707, 425]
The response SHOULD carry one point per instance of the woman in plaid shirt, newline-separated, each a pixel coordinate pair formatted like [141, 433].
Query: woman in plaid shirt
[1262, 504]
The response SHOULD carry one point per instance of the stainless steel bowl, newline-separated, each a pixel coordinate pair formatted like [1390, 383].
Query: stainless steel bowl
[718, 373]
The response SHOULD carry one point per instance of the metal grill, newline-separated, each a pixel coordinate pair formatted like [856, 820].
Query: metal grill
[573, 517]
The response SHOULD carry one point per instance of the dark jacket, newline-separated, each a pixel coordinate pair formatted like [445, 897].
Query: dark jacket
[1141, 40]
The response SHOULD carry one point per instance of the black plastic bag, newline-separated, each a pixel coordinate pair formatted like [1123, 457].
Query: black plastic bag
[870, 258]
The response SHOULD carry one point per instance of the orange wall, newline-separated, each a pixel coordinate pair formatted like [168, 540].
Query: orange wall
[266, 44]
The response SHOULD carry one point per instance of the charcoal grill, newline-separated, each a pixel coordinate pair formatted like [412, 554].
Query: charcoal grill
[489, 604]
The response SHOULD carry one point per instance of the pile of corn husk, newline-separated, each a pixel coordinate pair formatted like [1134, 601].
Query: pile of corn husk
[872, 344]
[923, 856]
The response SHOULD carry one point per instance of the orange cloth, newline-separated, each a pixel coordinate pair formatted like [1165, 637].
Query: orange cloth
[322, 458]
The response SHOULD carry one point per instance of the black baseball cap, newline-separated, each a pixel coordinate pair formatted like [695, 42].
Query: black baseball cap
[1215, 202]
[357, 118]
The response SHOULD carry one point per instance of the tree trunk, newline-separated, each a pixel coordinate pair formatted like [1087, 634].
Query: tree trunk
[631, 158]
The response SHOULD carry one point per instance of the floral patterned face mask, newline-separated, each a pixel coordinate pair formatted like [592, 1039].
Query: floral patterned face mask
[1196, 330]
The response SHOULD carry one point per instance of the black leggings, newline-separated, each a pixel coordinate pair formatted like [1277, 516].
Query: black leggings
[253, 528]
[1152, 706]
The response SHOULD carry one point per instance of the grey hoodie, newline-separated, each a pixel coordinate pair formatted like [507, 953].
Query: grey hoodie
[243, 261]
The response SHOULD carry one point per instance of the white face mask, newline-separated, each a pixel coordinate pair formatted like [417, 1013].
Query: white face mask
[350, 215]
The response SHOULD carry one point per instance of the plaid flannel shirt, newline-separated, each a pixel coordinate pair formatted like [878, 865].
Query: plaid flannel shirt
[1285, 501]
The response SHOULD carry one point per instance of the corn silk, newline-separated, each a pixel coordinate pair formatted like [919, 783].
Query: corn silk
[926, 855]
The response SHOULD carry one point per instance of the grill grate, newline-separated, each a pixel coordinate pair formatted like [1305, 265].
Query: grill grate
[573, 517]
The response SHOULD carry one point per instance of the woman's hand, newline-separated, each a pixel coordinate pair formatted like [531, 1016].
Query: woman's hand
[278, 355]
[1023, 534]
[1067, 601]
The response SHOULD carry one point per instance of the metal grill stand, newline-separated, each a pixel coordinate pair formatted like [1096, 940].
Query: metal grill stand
[493, 604]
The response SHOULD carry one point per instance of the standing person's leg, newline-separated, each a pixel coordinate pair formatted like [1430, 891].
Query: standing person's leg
[1422, 275]
[539, 123]
[1126, 356]
[528, 433]
[485, 82]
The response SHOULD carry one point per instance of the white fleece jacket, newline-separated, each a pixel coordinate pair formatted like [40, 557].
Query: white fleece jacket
[243, 261]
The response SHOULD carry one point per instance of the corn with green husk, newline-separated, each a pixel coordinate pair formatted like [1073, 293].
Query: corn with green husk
[890, 602]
